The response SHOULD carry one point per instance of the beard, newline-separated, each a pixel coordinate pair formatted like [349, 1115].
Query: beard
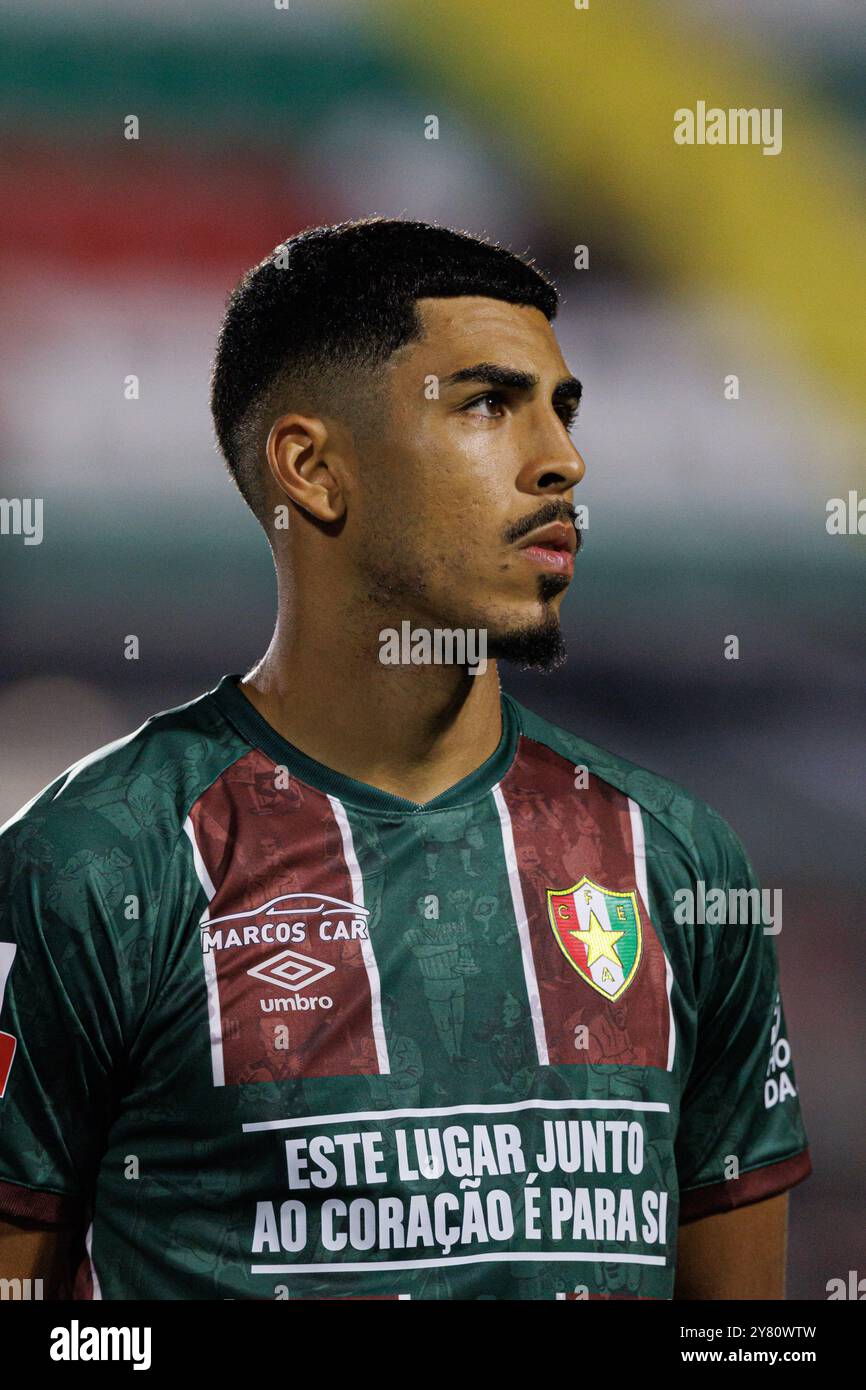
[538, 646]
[395, 590]
[533, 649]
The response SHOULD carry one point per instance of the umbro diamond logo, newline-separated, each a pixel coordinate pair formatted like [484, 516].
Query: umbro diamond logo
[291, 970]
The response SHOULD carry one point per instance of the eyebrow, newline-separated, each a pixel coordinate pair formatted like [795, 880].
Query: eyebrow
[491, 374]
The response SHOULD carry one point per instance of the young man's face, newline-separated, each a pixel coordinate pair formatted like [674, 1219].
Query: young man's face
[453, 489]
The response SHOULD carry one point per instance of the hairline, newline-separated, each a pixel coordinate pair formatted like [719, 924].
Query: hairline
[263, 413]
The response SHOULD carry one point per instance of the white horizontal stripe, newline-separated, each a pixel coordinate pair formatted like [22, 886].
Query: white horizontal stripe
[499, 1257]
[430, 1112]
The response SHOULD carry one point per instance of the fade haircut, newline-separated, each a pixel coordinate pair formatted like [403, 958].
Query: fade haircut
[333, 302]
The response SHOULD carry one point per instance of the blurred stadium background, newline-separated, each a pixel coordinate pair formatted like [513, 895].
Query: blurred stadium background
[707, 516]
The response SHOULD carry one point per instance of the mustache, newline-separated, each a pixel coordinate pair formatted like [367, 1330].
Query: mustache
[551, 511]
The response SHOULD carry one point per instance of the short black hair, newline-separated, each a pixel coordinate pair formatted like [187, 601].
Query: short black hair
[335, 299]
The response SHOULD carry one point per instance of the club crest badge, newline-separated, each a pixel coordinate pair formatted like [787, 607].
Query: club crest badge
[599, 932]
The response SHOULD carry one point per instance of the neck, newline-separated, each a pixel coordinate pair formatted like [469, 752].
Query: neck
[413, 731]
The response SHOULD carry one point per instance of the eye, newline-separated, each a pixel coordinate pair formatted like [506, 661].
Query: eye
[489, 406]
[567, 414]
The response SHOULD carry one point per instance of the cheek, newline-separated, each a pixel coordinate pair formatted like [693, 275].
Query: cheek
[463, 476]
[480, 476]
[447, 489]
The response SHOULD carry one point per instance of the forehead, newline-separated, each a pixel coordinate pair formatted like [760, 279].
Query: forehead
[473, 328]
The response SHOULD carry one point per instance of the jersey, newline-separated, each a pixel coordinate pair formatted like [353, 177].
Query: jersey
[268, 1032]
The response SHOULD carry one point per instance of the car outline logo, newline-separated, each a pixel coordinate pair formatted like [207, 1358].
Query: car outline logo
[316, 903]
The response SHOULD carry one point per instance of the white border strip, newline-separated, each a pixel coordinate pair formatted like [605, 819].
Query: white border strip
[523, 928]
[366, 944]
[639, 852]
[511, 1107]
[210, 969]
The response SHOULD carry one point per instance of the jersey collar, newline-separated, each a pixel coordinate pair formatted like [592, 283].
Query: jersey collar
[235, 706]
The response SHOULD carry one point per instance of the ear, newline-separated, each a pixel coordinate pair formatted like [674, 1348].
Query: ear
[304, 456]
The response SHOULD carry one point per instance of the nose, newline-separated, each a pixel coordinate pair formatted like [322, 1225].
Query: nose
[553, 465]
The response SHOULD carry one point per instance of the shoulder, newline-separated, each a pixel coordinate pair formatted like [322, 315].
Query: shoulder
[125, 800]
[672, 815]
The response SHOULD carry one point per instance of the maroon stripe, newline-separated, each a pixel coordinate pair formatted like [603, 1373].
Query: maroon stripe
[260, 842]
[7, 1053]
[560, 834]
[753, 1186]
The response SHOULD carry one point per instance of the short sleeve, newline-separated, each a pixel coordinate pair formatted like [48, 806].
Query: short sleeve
[64, 997]
[741, 1136]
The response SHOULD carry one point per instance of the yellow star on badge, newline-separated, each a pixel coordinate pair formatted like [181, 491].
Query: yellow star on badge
[599, 942]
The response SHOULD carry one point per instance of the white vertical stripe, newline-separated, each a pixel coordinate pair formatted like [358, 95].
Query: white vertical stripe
[520, 917]
[366, 944]
[672, 1035]
[204, 877]
[7, 956]
[210, 970]
[640, 874]
[88, 1245]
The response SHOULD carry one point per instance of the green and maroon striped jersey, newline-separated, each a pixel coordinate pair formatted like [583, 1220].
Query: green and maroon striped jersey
[269, 1032]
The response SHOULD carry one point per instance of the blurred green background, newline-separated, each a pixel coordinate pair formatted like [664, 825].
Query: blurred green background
[707, 515]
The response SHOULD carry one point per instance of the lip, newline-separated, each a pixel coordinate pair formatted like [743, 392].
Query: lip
[556, 536]
[553, 546]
